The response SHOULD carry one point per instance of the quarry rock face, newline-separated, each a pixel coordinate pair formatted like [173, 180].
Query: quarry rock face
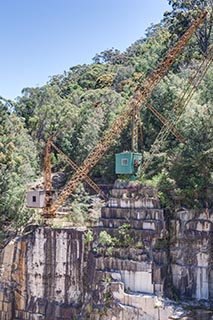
[42, 275]
[54, 274]
[191, 251]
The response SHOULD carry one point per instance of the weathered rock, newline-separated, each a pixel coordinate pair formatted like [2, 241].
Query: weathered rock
[192, 255]
[42, 275]
[48, 274]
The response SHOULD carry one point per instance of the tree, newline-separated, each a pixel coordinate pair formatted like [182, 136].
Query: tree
[18, 166]
[98, 108]
[191, 167]
[206, 95]
[184, 12]
[111, 56]
[45, 112]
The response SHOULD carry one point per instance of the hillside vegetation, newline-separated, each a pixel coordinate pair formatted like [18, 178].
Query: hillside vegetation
[80, 104]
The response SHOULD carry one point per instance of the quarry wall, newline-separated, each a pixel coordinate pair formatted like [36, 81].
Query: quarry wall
[53, 274]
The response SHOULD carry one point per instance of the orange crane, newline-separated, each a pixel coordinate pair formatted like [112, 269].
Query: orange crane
[49, 192]
[139, 98]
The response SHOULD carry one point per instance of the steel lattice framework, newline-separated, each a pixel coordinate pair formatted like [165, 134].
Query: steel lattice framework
[139, 99]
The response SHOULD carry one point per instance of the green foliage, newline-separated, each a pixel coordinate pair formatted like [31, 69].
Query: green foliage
[18, 167]
[98, 109]
[107, 297]
[122, 239]
[145, 53]
[182, 15]
[88, 237]
[111, 56]
[206, 94]
[162, 244]
[139, 244]
[105, 80]
[79, 214]
[105, 239]
[125, 238]
[194, 176]
[45, 112]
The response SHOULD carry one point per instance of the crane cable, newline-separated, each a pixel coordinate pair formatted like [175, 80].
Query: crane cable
[181, 102]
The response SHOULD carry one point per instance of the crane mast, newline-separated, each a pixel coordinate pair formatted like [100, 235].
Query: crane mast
[134, 129]
[139, 98]
[48, 177]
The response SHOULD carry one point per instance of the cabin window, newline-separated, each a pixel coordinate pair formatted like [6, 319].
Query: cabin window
[34, 198]
[124, 162]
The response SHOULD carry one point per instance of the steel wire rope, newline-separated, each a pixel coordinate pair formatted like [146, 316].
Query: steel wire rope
[184, 99]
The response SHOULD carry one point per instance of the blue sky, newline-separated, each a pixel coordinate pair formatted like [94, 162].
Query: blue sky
[41, 38]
